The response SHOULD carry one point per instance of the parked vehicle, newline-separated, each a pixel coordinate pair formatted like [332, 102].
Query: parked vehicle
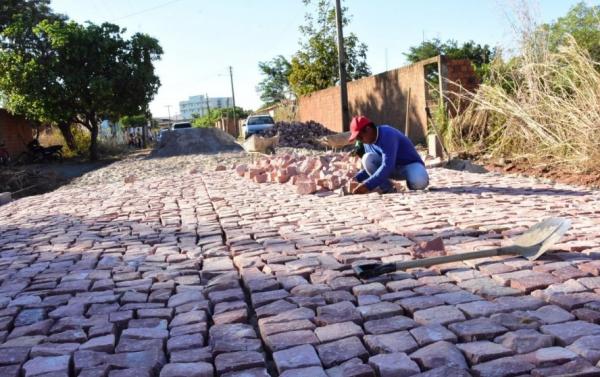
[37, 153]
[256, 123]
[181, 125]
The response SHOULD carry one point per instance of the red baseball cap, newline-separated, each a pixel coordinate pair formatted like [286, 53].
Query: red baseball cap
[357, 124]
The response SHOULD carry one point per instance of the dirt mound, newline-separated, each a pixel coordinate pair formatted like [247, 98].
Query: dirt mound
[465, 165]
[297, 134]
[195, 141]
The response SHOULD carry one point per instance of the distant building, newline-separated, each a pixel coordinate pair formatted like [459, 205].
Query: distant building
[199, 105]
[163, 122]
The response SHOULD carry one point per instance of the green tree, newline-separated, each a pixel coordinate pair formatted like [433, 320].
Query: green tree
[30, 12]
[24, 54]
[18, 18]
[209, 120]
[315, 65]
[275, 87]
[479, 55]
[139, 120]
[81, 74]
[582, 22]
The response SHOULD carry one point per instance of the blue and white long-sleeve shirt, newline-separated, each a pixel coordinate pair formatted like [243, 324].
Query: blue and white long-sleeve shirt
[396, 150]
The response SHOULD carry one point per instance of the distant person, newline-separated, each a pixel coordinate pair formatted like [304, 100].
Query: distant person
[138, 139]
[388, 153]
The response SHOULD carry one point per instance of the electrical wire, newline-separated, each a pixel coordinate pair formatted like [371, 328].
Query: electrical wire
[145, 10]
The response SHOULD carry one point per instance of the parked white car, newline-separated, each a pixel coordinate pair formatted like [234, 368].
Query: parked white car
[256, 123]
[181, 125]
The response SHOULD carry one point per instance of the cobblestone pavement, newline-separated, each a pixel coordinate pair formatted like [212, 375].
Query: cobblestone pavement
[185, 271]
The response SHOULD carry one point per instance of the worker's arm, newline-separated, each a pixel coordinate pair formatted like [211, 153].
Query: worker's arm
[389, 147]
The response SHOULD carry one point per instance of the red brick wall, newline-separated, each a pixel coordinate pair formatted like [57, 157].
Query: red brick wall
[461, 72]
[460, 75]
[383, 98]
[15, 133]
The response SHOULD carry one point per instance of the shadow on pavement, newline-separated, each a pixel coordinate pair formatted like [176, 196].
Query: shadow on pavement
[508, 191]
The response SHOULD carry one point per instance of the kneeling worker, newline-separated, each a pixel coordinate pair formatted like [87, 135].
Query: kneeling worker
[388, 154]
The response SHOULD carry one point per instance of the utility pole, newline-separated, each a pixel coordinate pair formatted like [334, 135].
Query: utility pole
[386, 60]
[233, 99]
[342, 64]
[169, 109]
[207, 105]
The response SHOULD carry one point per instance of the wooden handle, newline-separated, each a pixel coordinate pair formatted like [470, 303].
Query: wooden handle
[451, 258]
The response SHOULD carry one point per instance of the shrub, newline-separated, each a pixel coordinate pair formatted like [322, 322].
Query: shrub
[542, 106]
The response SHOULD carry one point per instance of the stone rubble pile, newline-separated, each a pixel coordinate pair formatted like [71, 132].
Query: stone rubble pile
[297, 134]
[309, 174]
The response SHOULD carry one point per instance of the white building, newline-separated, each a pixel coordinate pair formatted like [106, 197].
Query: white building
[200, 105]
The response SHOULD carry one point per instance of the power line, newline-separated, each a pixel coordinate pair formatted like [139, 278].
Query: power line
[145, 10]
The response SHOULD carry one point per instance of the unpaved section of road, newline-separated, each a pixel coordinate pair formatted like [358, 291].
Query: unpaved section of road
[186, 141]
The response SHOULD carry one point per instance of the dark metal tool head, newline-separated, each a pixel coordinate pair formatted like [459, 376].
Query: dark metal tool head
[371, 270]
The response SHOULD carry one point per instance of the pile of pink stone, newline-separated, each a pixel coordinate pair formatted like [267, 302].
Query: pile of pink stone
[309, 174]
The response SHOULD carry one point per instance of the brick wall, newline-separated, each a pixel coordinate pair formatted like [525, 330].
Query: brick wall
[461, 72]
[383, 98]
[15, 133]
[460, 75]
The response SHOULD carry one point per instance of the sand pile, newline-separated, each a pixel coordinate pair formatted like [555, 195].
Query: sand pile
[205, 140]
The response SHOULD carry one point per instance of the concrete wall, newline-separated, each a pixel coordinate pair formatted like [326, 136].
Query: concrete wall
[15, 133]
[382, 98]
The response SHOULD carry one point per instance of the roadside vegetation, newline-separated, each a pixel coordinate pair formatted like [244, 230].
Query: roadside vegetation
[315, 65]
[214, 115]
[55, 71]
[541, 106]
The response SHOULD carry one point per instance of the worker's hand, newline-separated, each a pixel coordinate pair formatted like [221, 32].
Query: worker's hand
[360, 189]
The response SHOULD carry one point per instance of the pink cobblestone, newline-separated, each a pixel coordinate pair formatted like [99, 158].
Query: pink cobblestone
[210, 273]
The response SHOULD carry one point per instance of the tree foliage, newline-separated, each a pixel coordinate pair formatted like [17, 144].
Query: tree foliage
[315, 65]
[275, 85]
[77, 74]
[479, 55]
[139, 120]
[209, 120]
[582, 22]
[30, 12]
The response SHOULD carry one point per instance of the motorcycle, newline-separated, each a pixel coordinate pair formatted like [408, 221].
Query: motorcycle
[36, 153]
[4, 156]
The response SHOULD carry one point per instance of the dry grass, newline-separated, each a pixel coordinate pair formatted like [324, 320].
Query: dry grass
[542, 106]
[107, 148]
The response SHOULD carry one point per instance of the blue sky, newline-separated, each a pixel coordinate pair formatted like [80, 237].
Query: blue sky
[202, 38]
